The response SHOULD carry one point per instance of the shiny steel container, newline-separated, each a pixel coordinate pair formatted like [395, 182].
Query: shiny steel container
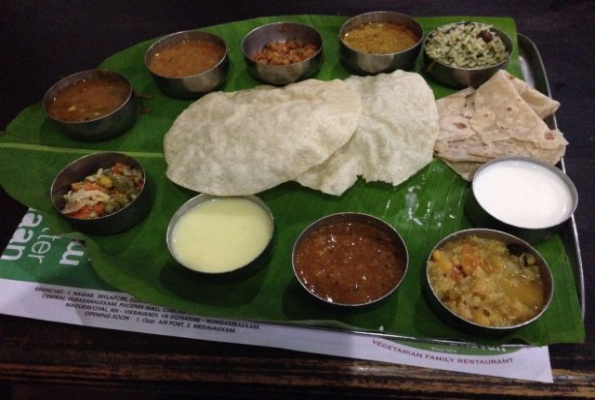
[120, 220]
[512, 242]
[352, 217]
[280, 75]
[484, 218]
[459, 78]
[241, 271]
[105, 127]
[369, 64]
[192, 86]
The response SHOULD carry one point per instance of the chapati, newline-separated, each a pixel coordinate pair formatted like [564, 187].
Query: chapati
[503, 117]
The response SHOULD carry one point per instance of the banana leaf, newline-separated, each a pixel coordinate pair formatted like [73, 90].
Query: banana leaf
[424, 209]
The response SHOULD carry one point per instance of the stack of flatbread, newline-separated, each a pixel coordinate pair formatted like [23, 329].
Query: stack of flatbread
[323, 135]
[503, 117]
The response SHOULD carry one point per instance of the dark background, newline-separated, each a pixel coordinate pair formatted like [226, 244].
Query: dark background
[43, 41]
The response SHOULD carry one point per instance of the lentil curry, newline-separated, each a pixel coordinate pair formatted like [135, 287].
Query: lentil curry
[380, 38]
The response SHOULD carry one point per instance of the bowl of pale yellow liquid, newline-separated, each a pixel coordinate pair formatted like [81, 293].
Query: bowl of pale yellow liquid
[220, 235]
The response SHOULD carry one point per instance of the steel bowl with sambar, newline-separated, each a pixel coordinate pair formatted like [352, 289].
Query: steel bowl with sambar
[350, 260]
[380, 41]
[188, 64]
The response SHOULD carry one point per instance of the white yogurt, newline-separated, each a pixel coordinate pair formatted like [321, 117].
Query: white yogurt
[221, 234]
[523, 194]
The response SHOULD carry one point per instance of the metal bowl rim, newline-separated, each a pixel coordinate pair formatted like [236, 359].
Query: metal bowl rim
[508, 44]
[349, 214]
[408, 17]
[478, 231]
[559, 173]
[98, 155]
[319, 51]
[77, 77]
[171, 36]
[201, 198]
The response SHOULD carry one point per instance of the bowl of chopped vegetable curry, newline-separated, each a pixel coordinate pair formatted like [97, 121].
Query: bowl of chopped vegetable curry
[102, 193]
[487, 281]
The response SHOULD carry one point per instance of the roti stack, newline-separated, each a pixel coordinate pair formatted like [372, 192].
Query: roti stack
[503, 117]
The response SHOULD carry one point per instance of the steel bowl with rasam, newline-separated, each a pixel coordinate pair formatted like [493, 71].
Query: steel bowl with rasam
[92, 105]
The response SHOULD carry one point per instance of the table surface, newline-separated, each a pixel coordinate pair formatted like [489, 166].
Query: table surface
[44, 41]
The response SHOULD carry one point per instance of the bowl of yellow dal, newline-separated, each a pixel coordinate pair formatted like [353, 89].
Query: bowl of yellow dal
[380, 41]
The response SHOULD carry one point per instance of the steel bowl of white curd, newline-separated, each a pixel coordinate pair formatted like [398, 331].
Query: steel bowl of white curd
[522, 196]
[221, 236]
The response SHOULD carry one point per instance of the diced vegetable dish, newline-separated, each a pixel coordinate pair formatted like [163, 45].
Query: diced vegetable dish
[103, 193]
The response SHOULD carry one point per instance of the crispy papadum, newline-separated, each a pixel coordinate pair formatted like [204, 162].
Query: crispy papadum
[245, 142]
[395, 137]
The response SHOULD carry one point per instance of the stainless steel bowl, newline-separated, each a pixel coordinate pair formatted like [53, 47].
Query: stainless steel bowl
[104, 127]
[482, 216]
[516, 245]
[120, 220]
[279, 75]
[369, 64]
[239, 271]
[351, 218]
[192, 86]
[459, 78]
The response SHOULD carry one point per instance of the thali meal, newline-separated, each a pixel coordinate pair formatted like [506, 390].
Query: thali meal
[487, 282]
[186, 57]
[466, 45]
[350, 259]
[220, 234]
[90, 98]
[384, 126]
[380, 37]
[104, 192]
[284, 53]
[503, 117]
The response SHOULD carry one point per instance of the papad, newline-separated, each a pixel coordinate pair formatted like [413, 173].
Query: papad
[395, 137]
[245, 142]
